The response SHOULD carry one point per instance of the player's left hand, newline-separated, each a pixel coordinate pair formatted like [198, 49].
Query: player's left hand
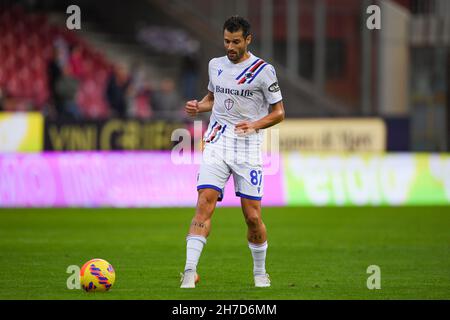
[244, 128]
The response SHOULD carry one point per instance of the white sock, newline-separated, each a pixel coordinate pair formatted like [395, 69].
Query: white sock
[259, 257]
[194, 247]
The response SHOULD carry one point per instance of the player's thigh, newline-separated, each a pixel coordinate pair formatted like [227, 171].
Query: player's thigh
[213, 173]
[248, 181]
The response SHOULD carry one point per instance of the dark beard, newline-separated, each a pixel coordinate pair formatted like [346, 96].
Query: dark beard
[237, 56]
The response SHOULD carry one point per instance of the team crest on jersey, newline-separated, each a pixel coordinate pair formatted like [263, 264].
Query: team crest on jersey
[248, 75]
[229, 103]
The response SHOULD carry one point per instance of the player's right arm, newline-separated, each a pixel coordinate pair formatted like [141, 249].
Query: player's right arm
[194, 107]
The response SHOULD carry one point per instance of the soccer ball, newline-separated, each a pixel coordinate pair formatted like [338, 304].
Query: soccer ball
[97, 275]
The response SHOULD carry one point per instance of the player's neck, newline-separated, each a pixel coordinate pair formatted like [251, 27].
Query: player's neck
[245, 56]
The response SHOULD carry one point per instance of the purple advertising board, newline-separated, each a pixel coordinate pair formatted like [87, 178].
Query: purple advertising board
[111, 179]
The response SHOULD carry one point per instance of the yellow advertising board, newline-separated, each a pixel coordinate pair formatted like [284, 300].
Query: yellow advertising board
[328, 135]
[21, 132]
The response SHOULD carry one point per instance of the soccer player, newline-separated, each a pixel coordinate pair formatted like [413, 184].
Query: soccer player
[241, 90]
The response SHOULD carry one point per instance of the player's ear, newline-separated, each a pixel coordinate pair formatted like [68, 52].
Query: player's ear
[248, 40]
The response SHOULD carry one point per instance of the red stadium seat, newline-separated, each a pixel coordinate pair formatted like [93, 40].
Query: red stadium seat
[26, 46]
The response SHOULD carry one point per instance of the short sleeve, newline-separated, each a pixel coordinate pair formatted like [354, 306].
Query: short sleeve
[270, 86]
[210, 84]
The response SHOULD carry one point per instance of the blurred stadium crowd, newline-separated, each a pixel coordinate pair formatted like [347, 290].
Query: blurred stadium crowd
[48, 68]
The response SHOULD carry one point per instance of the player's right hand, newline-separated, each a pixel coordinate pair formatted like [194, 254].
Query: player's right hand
[192, 108]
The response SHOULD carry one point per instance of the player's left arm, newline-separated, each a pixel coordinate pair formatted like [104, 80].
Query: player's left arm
[271, 90]
[274, 117]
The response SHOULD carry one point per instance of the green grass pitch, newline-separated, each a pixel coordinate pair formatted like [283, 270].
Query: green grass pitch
[314, 253]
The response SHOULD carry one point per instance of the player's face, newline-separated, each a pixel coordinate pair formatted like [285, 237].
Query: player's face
[235, 45]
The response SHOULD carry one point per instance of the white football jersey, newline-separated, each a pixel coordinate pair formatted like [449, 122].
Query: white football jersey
[242, 92]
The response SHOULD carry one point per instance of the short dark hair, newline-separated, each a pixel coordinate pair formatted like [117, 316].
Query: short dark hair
[236, 23]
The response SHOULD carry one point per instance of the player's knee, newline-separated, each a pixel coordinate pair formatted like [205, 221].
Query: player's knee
[206, 200]
[205, 203]
[202, 215]
[253, 220]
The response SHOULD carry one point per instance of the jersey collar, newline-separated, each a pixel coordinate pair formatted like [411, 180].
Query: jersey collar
[244, 63]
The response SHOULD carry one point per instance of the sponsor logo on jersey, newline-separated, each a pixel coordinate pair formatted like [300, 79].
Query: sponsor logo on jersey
[274, 87]
[219, 72]
[235, 92]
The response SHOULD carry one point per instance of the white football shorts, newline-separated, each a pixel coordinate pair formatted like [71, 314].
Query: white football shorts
[220, 162]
